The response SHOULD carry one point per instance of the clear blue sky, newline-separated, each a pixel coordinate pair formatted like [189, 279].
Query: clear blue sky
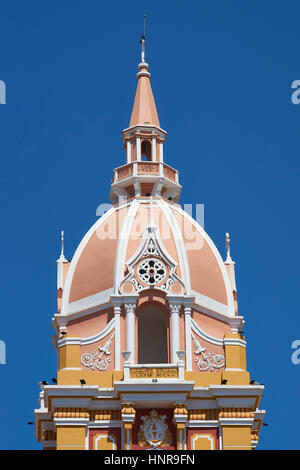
[221, 75]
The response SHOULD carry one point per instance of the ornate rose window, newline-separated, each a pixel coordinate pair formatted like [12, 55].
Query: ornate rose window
[151, 271]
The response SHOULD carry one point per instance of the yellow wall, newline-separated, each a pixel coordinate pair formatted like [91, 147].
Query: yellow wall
[236, 437]
[70, 437]
[102, 379]
[69, 356]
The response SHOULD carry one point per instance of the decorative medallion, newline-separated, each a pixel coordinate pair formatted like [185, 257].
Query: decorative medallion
[154, 431]
[211, 361]
[151, 271]
[151, 266]
[95, 360]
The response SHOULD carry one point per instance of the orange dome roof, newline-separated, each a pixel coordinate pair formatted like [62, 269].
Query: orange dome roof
[105, 261]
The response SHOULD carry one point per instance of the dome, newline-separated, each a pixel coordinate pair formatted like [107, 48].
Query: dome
[147, 243]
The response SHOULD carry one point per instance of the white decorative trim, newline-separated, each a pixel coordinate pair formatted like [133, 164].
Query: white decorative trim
[226, 396]
[231, 309]
[138, 149]
[144, 127]
[237, 402]
[197, 423]
[78, 252]
[207, 337]
[220, 438]
[236, 322]
[203, 403]
[203, 436]
[71, 421]
[174, 313]
[105, 405]
[106, 436]
[179, 243]
[88, 303]
[240, 390]
[161, 152]
[153, 145]
[60, 322]
[236, 421]
[128, 151]
[209, 361]
[151, 246]
[99, 336]
[117, 311]
[120, 257]
[235, 342]
[130, 307]
[105, 423]
[90, 339]
[187, 326]
[95, 360]
[207, 303]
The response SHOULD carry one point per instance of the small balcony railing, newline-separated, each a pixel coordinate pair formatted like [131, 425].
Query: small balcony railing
[154, 372]
[145, 168]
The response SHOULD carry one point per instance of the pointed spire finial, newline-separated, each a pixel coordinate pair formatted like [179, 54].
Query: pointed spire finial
[229, 263]
[143, 42]
[62, 255]
[62, 243]
[228, 246]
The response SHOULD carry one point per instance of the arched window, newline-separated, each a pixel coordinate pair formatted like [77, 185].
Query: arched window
[152, 336]
[146, 150]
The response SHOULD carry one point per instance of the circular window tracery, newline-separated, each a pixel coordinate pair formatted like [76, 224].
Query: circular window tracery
[151, 271]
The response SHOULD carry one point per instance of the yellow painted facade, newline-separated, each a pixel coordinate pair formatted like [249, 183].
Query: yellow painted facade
[236, 437]
[70, 437]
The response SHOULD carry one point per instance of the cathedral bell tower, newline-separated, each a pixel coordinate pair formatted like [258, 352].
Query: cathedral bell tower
[145, 173]
[151, 353]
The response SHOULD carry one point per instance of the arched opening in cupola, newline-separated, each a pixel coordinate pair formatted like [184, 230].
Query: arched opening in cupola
[152, 336]
[146, 151]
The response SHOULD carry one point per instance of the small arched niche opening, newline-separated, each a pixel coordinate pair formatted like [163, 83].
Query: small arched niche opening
[146, 151]
[152, 336]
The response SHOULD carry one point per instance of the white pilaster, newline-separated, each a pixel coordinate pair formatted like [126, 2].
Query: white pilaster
[175, 346]
[128, 153]
[138, 149]
[188, 342]
[130, 307]
[161, 152]
[154, 149]
[117, 311]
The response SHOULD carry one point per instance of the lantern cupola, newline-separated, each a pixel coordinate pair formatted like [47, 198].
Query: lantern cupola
[145, 174]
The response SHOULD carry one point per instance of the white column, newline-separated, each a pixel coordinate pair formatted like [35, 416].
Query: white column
[117, 312]
[161, 152]
[138, 149]
[175, 346]
[188, 343]
[128, 153]
[130, 329]
[154, 150]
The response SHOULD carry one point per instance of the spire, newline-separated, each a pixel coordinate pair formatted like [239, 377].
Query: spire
[144, 109]
[61, 272]
[62, 256]
[229, 263]
[145, 174]
[227, 238]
